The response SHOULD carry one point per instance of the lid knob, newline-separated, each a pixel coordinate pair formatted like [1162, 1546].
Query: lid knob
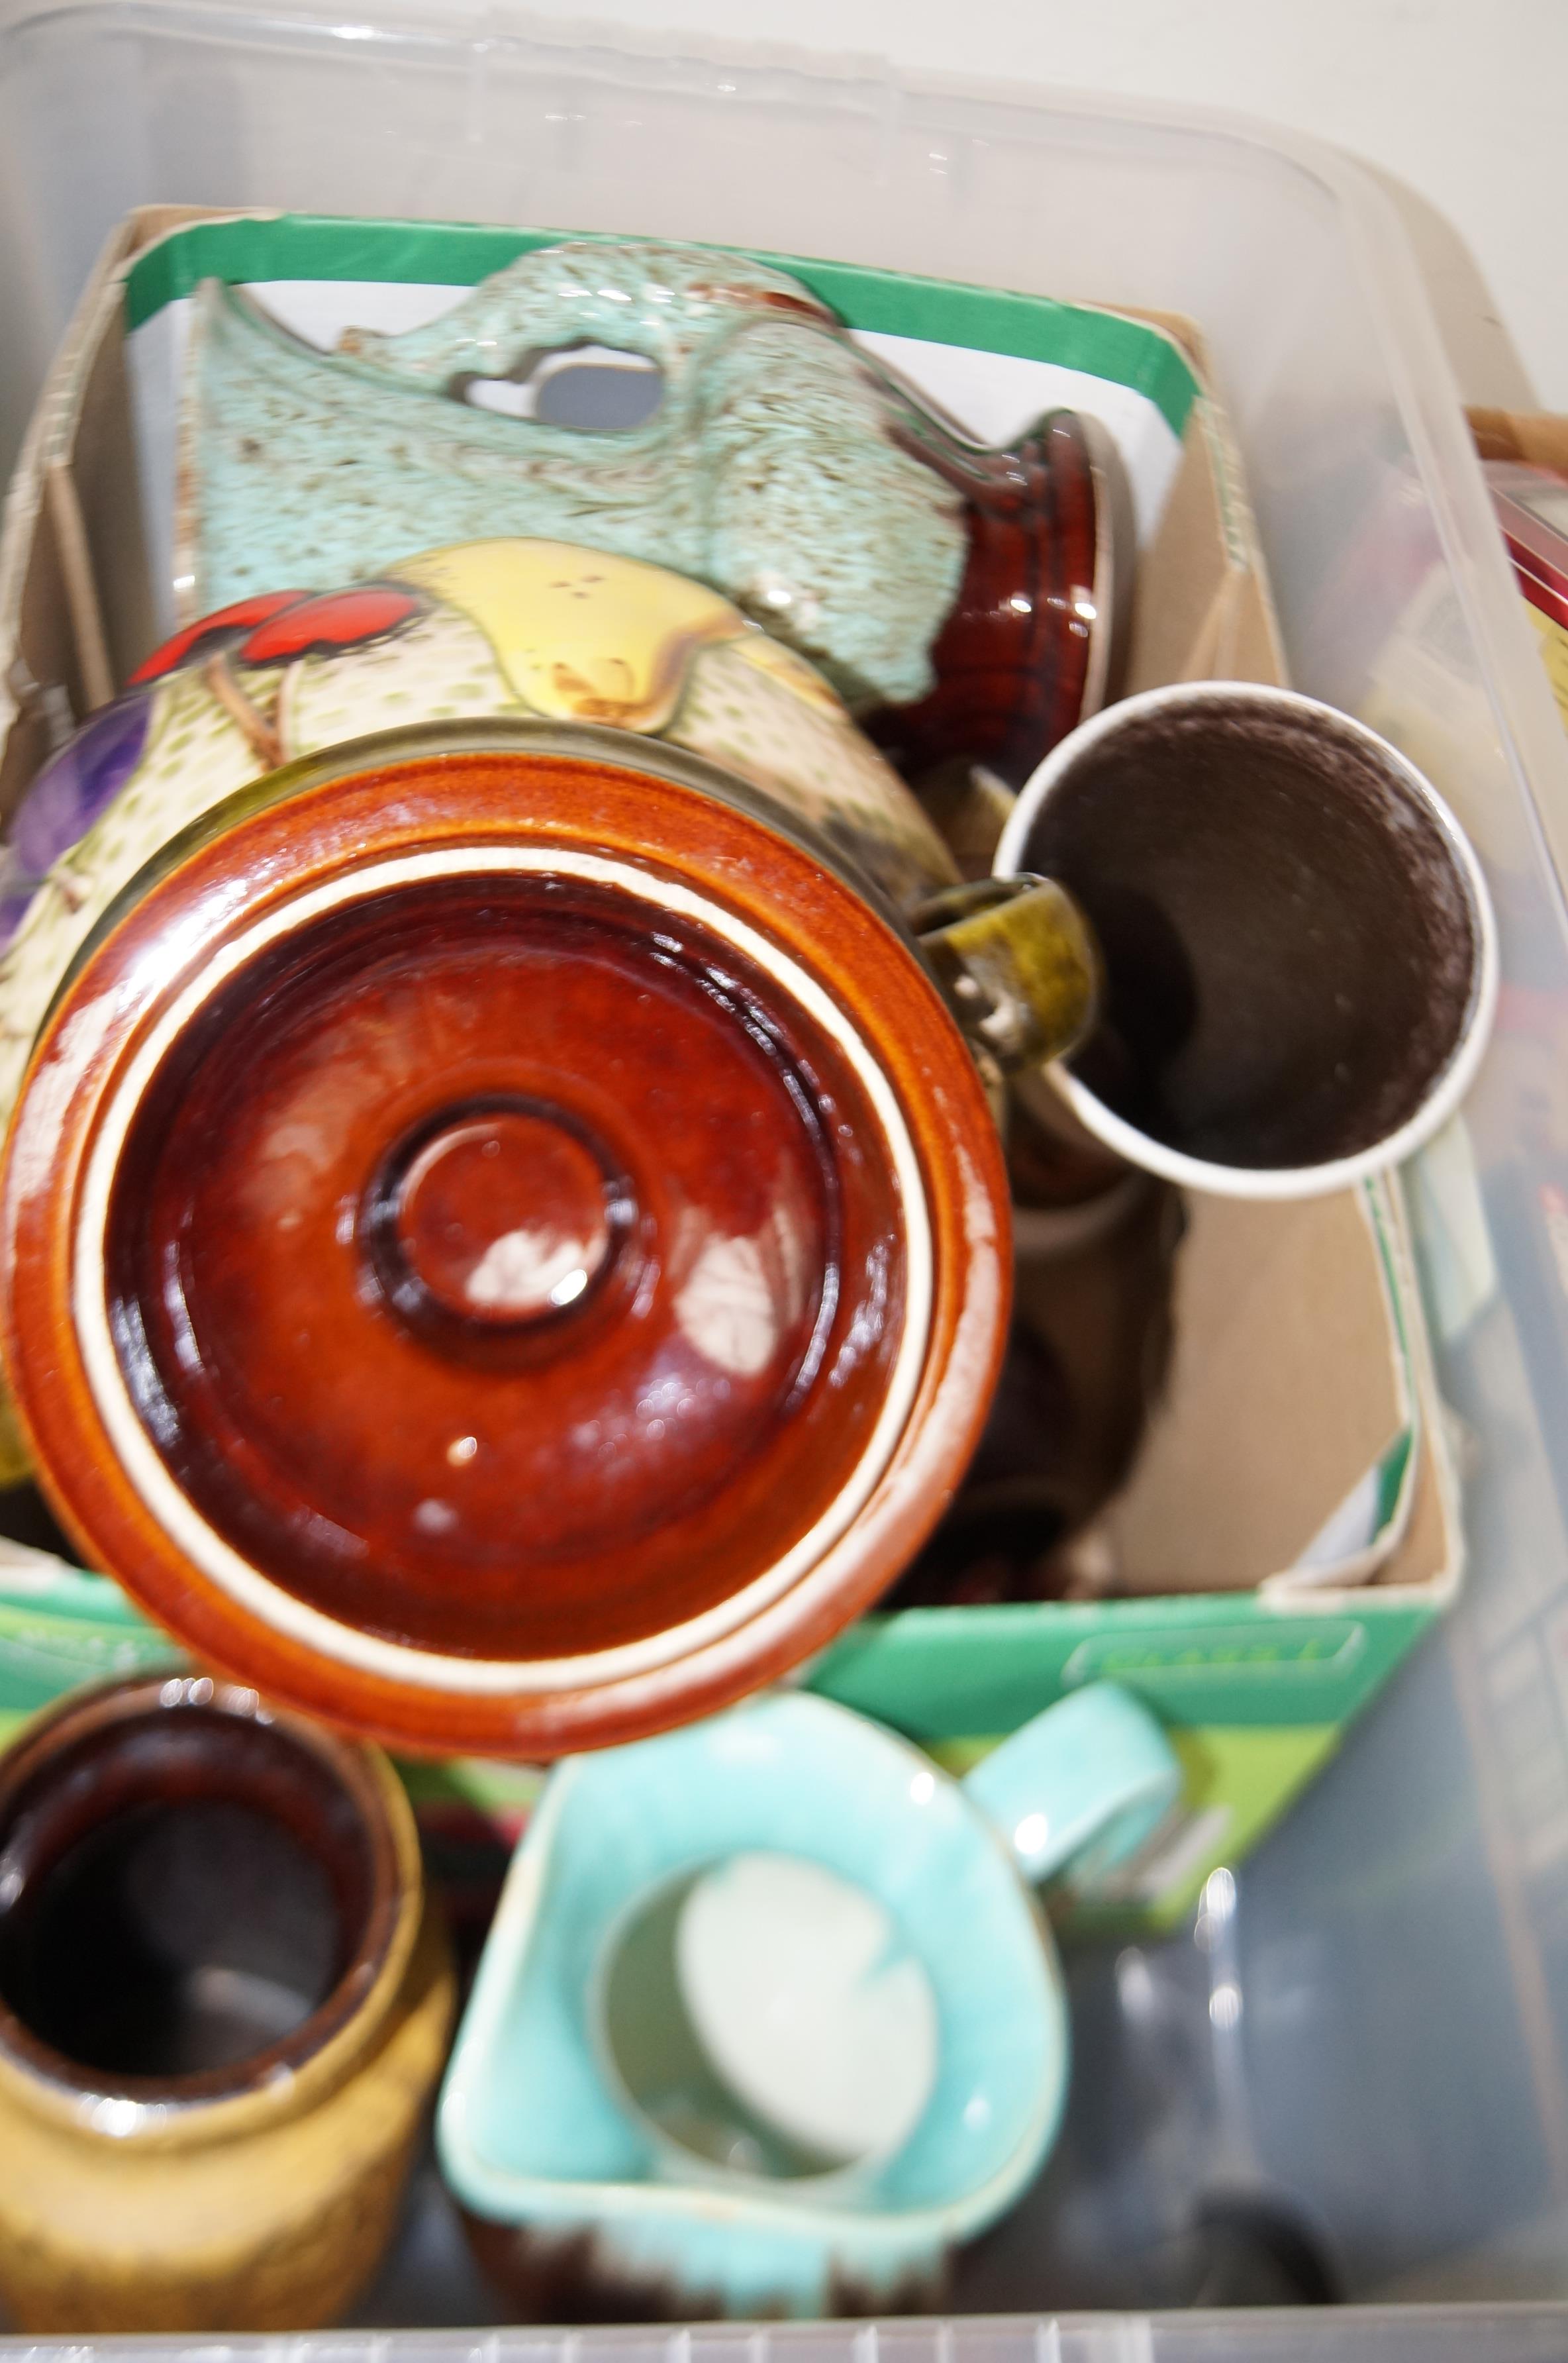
[500, 1212]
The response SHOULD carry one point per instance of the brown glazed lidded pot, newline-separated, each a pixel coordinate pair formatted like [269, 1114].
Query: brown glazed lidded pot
[506, 1242]
[223, 2011]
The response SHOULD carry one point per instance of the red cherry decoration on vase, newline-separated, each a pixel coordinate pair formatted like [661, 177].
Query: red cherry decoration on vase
[334, 621]
[272, 627]
[277, 627]
[208, 633]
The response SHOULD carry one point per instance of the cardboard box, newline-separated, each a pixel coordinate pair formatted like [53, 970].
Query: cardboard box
[1289, 1526]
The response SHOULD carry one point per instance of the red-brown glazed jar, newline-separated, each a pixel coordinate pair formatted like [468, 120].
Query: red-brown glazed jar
[506, 1243]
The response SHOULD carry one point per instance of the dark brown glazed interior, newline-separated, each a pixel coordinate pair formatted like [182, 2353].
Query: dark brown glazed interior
[192, 1896]
[496, 1272]
[1290, 949]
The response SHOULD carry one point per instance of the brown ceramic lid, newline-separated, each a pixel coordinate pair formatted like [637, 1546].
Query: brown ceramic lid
[508, 1247]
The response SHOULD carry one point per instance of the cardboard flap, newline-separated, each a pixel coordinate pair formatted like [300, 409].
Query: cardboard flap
[1283, 1330]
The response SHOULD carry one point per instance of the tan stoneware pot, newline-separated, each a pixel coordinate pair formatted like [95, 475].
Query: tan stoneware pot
[223, 2010]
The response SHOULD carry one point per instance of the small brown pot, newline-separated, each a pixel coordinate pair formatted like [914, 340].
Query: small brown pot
[223, 2009]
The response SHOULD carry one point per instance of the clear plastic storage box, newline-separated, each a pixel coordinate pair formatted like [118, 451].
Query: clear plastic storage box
[1352, 2076]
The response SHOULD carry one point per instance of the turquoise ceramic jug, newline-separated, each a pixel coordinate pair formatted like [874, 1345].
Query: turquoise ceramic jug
[557, 2167]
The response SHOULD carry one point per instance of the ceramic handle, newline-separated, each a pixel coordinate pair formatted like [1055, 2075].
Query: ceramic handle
[1095, 1771]
[520, 315]
[1018, 968]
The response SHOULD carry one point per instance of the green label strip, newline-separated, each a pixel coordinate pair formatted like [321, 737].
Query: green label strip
[458, 254]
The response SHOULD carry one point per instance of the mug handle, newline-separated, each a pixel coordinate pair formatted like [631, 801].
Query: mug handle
[1017, 964]
[1093, 1771]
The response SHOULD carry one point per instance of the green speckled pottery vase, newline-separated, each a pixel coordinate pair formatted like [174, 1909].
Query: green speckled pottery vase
[961, 599]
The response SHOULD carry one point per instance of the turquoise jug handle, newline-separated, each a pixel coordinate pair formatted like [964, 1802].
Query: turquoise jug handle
[1092, 1775]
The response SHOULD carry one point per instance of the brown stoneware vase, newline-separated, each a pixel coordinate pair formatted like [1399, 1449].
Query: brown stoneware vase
[506, 1241]
[223, 2010]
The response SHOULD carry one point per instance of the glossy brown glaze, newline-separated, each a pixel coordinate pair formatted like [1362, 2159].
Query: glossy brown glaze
[1012, 660]
[198, 1896]
[503, 1266]
[496, 1278]
[1085, 1367]
[499, 1211]
[569, 2277]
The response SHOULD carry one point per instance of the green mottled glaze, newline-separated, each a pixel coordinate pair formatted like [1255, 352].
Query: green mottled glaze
[769, 469]
[1019, 967]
